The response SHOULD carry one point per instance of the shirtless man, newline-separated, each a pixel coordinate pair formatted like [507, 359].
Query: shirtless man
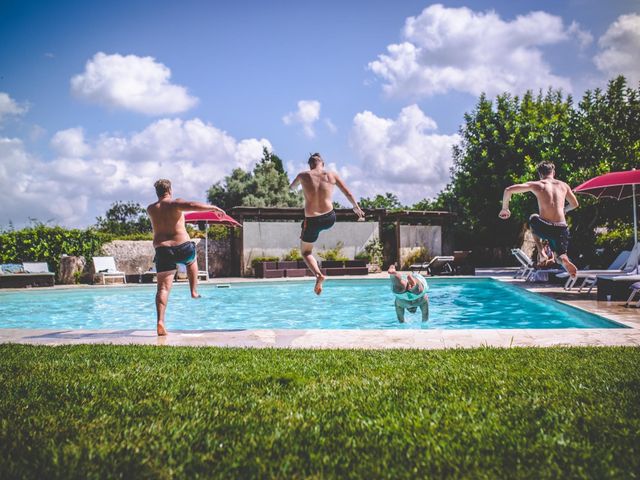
[172, 244]
[317, 187]
[550, 224]
[410, 293]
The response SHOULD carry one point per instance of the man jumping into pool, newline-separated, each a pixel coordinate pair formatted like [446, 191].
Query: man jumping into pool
[317, 187]
[410, 293]
[172, 244]
[550, 224]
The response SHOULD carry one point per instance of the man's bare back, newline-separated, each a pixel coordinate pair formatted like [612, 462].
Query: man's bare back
[317, 188]
[167, 219]
[551, 195]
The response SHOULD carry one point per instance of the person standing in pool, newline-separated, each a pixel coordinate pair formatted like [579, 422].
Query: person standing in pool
[317, 187]
[410, 293]
[550, 224]
[172, 244]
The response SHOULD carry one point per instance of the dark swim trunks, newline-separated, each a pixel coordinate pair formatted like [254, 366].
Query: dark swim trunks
[312, 226]
[167, 258]
[556, 233]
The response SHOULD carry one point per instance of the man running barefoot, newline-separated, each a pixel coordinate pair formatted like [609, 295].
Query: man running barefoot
[317, 187]
[411, 293]
[550, 224]
[172, 244]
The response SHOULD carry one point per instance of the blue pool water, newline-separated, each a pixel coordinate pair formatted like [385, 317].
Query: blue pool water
[344, 304]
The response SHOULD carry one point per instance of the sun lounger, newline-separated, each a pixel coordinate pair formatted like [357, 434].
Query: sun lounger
[528, 270]
[635, 288]
[29, 274]
[438, 265]
[625, 263]
[615, 287]
[182, 273]
[105, 267]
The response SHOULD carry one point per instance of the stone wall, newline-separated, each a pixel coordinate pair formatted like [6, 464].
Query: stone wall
[275, 239]
[136, 256]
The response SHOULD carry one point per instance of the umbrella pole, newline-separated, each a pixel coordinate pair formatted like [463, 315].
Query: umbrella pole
[635, 218]
[206, 250]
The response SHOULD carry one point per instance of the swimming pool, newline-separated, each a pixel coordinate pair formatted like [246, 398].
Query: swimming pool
[344, 304]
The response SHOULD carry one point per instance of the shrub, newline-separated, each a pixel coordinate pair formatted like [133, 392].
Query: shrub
[419, 256]
[42, 243]
[292, 255]
[257, 260]
[333, 254]
[373, 252]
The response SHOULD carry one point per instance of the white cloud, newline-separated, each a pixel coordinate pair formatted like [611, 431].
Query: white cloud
[458, 49]
[139, 84]
[330, 125]
[404, 156]
[9, 107]
[307, 115]
[87, 175]
[620, 49]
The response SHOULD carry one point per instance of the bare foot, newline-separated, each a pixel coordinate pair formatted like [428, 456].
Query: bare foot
[195, 295]
[318, 288]
[161, 330]
[392, 269]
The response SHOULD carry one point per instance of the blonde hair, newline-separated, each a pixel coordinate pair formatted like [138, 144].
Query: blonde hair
[162, 186]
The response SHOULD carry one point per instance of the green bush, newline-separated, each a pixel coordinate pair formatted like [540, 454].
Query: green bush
[334, 254]
[419, 256]
[293, 255]
[42, 243]
[257, 260]
[373, 252]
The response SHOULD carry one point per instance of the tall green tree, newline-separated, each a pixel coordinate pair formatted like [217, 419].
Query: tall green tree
[124, 218]
[266, 186]
[389, 201]
[504, 139]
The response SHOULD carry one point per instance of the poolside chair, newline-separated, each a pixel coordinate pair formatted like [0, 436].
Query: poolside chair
[29, 274]
[635, 288]
[526, 264]
[529, 271]
[625, 263]
[439, 265]
[105, 267]
[182, 270]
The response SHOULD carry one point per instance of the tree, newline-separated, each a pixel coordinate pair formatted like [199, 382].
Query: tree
[266, 186]
[503, 140]
[389, 201]
[124, 218]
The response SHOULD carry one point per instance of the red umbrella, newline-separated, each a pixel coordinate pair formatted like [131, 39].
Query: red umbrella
[616, 185]
[209, 218]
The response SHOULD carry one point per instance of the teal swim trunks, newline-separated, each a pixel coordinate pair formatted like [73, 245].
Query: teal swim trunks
[410, 296]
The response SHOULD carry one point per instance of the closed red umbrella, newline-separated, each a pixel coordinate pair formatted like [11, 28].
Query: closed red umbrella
[616, 185]
[210, 218]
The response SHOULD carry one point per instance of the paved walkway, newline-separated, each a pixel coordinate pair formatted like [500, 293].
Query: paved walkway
[376, 339]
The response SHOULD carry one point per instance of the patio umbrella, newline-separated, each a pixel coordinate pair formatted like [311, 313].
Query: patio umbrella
[616, 185]
[209, 218]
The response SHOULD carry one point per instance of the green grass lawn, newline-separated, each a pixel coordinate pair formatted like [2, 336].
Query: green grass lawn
[135, 412]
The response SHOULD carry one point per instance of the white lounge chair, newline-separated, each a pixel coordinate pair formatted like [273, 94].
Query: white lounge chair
[105, 267]
[526, 264]
[182, 270]
[635, 288]
[528, 270]
[439, 263]
[624, 264]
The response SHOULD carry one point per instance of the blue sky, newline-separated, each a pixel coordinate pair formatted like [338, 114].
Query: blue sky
[98, 99]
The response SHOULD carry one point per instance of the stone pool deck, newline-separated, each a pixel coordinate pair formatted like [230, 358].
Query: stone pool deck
[374, 339]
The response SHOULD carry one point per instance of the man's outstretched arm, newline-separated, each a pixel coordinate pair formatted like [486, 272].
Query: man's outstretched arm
[296, 183]
[399, 312]
[506, 197]
[573, 201]
[191, 206]
[424, 308]
[347, 193]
